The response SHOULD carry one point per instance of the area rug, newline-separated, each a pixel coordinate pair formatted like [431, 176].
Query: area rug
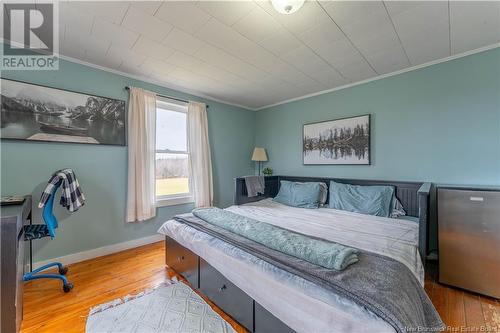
[171, 307]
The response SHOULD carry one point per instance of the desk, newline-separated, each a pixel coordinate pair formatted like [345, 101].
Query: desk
[12, 264]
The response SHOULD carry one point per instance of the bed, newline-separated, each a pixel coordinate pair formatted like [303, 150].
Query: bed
[264, 298]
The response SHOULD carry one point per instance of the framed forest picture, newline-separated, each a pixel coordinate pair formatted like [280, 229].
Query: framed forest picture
[38, 113]
[340, 141]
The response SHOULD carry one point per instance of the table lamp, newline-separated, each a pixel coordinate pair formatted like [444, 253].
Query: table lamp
[259, 155]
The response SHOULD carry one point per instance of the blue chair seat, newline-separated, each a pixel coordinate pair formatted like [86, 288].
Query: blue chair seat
[35, 231]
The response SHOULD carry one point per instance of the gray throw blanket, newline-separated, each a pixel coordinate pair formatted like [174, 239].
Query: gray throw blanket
[255, 185]
[383, 285]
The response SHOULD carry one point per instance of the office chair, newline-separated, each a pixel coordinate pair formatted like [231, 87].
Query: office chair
[37, 231]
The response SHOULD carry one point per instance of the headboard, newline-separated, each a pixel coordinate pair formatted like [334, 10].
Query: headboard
[414, 196]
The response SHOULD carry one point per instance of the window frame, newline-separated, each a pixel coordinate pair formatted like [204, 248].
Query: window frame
[181, 198]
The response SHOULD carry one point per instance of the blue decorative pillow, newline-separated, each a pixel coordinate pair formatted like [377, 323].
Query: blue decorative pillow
[303, 195]
[370, 200]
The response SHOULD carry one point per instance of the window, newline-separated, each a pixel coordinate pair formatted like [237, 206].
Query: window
[172, 170]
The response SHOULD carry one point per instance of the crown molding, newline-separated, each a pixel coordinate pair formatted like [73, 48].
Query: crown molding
[350, 85]
[153, 81]
[383, 76]
[145, 79]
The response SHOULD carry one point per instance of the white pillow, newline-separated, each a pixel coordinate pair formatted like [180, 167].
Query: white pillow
[323, 194]
[397, 209]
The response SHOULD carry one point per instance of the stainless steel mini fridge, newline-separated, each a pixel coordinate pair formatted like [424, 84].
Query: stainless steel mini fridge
[469, 238]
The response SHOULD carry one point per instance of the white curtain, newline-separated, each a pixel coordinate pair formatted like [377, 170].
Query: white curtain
[141, 203]
[200, 163]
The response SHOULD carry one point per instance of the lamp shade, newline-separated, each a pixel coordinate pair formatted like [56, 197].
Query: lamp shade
[259, 154]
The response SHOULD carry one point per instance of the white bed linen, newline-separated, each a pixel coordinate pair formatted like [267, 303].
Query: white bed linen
[302, 305]
[394, 238]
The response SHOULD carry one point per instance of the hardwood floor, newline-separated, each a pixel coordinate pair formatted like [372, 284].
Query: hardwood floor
[48, 309]
[461, 310]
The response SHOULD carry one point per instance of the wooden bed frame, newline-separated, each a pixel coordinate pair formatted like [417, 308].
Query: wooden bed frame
[414, 197]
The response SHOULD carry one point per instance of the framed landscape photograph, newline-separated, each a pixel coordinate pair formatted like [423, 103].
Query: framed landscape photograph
[38, 113]
[341, 141]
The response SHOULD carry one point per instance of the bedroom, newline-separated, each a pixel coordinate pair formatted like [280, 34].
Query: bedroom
[336, 108]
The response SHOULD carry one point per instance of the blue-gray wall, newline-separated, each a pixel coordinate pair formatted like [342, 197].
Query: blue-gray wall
[102, 170]
[439, 124]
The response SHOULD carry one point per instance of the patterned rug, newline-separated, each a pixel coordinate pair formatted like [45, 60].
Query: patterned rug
[171, 307]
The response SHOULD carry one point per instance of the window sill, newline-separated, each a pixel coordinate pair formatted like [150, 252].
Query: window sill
[163, 202]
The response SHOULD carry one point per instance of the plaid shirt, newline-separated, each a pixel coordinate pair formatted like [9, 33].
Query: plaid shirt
[71, 196]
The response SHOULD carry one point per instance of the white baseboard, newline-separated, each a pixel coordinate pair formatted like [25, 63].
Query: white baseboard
[100, 251]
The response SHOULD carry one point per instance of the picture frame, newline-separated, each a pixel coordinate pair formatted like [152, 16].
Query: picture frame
[33, 112]
[343, 141]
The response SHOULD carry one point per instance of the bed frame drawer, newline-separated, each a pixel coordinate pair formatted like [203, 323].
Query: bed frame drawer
[226, 295]
[265, 322]
[183, 261]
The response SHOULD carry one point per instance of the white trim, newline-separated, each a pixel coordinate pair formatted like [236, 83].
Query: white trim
[169, 102]
[174, 200]
[383, 76]
[100, 251]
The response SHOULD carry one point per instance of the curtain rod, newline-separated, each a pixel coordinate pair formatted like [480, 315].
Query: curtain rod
[169, 97]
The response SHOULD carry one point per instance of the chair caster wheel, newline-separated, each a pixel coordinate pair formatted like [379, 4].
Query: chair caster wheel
[67, 287]
[63, 270]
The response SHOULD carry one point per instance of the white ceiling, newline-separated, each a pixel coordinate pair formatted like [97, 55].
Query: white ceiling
[245, 53]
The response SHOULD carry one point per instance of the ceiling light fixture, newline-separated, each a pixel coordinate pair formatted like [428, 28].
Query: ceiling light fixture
[287, 6]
